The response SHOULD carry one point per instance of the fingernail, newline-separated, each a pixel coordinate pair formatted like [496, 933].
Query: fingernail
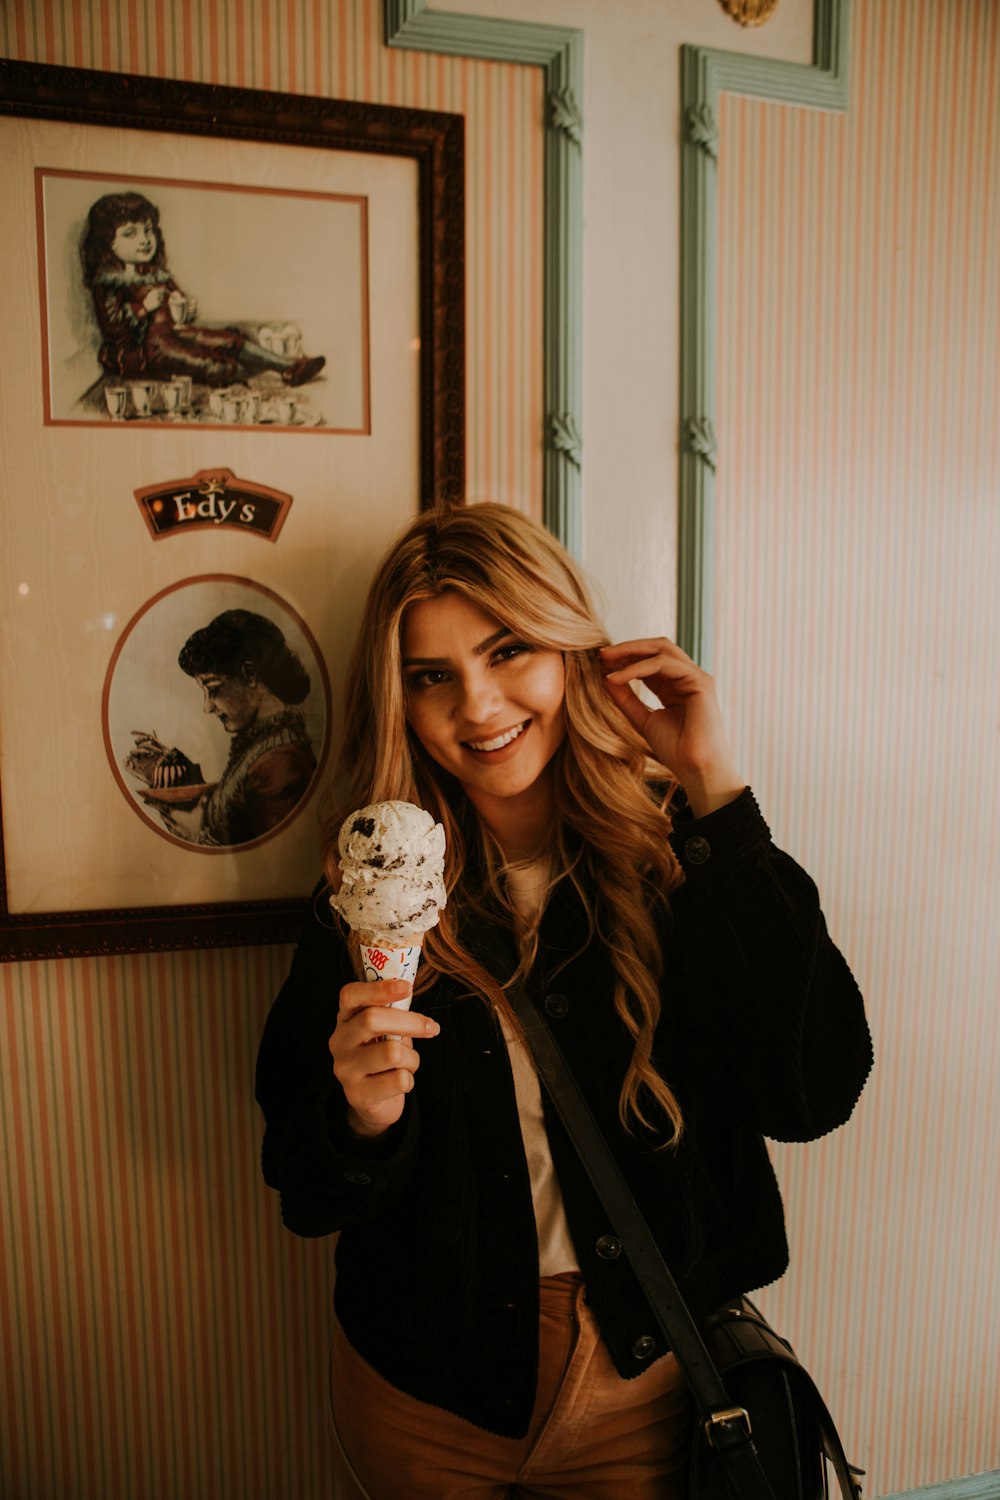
[432, 1028]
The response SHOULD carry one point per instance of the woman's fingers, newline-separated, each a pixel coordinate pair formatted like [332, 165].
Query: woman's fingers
[657, 645]
[385, 1058]
[659, 666]
[361, 996]
[635, 661]
[685, 732]
[383, 1088]
[373, 1057]
[366, 1013]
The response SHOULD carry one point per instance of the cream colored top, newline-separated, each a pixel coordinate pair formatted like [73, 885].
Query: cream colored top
[526, 885]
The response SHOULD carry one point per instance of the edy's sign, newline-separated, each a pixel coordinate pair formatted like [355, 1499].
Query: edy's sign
[212, 497]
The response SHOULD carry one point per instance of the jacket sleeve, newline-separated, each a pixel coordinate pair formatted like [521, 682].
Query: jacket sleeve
[769, 1015]
[326, 1179]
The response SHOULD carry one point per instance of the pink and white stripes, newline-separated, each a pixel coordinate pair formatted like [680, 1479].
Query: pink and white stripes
[858, 644]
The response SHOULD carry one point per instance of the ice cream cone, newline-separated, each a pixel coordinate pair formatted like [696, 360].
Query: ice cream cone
[389, 961]
[396, 960]
[392, 890]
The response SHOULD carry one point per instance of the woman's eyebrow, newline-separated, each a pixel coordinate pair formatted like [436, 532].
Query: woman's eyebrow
[480, 650]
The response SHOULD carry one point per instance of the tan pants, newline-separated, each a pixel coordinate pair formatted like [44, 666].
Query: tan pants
[593, 1436]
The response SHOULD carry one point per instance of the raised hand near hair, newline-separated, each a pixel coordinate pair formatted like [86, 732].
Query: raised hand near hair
[374, 1059]
[685, 733]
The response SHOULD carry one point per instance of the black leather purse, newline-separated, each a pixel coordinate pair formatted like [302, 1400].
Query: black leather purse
[762, 1430]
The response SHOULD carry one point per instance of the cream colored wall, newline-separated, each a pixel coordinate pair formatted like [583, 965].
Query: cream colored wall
[631, 110]
[158, 1328]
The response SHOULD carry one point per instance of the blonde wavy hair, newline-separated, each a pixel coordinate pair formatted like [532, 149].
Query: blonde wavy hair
[611, 829]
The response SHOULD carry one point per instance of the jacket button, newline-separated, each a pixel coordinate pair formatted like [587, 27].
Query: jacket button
[556, 1005]
[358, 1179]
[608, 1247]
[643, 1346]
[697, 850]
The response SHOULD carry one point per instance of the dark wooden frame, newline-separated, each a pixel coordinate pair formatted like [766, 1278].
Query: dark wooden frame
[436, 142]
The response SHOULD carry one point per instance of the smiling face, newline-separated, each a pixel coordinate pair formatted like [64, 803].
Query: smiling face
[134, 243]
[485, 705]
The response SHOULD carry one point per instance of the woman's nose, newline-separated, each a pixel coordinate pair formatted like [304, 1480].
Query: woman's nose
[481, 697]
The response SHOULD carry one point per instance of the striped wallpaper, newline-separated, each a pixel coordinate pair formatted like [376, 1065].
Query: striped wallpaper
[154, 1320]
[858, 645]
[160, 1335]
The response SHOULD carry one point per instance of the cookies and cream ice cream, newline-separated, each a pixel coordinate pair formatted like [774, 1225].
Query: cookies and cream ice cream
[392, 859]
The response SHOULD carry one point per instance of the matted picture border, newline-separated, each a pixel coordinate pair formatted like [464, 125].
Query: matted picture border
[434, 141]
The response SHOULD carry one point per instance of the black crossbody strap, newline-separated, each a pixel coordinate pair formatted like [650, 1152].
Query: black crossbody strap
[726, 1427]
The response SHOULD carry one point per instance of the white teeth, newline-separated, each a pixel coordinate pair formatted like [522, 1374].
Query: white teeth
[499, 742]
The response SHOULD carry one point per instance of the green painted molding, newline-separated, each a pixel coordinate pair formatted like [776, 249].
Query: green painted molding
[559, 51]
[972, 1487]
[705, 74]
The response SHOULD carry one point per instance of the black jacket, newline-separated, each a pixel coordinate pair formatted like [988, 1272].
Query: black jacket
[763, 1033]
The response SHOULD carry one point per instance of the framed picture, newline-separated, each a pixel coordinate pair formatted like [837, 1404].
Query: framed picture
[233, 368]
[127, 345]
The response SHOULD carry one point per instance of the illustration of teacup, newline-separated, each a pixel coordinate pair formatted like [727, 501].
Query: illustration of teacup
[183, 382]
[284, 409]
[280, 340]
[142, 397]
[250, 407]
[216, 398]
[116, 399]
[178, 304]
[232, 407]
[172, 396]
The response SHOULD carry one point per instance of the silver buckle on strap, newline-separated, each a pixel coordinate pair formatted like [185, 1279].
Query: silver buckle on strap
[729, 1414]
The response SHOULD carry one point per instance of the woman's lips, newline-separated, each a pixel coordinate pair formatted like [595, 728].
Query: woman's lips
[495, 745]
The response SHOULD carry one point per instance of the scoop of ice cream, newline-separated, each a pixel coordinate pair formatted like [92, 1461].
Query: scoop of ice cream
[392, 858]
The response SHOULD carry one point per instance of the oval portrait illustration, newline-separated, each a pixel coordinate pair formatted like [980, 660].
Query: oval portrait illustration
[216, 713]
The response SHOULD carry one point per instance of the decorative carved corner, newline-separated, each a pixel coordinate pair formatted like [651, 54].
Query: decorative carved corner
[564, 114]
[703, 129]
[564, 438]
[699, 439]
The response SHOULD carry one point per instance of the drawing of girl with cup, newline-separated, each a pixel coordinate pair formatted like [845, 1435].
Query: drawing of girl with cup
[147, 321]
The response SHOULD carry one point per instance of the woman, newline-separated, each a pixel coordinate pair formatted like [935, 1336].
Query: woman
[491, 1337]
[253, 682]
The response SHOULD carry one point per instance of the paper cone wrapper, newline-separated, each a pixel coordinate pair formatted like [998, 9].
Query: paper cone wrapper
[389, 961]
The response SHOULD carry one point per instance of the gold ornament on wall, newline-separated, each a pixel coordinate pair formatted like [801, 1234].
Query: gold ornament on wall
[750, 12]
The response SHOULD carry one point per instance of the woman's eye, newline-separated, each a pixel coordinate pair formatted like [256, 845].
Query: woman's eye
[512, 649]
[429, 678]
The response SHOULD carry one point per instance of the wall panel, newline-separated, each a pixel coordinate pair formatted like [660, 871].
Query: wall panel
[158, 1330]
[160, 1334]
[858, 645]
